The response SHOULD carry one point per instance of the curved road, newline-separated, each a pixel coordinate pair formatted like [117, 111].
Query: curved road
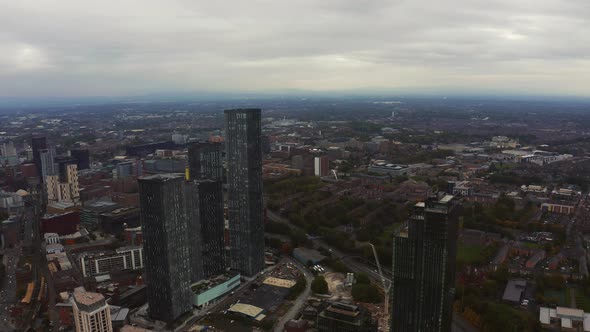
[298, 304]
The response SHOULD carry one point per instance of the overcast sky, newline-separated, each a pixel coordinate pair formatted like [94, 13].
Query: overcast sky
[122, 47]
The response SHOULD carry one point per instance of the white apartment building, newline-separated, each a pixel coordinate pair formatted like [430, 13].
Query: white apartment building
[126, 258]
[68, 191]
[91, 312]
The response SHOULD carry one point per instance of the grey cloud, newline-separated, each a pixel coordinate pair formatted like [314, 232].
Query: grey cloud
[68, 47]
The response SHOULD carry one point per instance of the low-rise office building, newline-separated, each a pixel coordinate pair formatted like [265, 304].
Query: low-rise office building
[126, 258]
[209, 290]
[345, 317]
[568, 319]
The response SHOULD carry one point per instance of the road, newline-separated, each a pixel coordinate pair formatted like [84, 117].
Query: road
[300, 302]
[52, 312]
[32, 249]
[28, 247]
[8, 288]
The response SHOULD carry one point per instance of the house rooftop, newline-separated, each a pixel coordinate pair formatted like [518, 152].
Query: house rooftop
[514, 289]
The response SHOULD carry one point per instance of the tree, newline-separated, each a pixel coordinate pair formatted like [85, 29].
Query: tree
[502, 317]
[366, 293]
[501, 275]
[267, 324]
[362, 278]
[276, 227]
[297, 289]
[2, 271]
[336, 265]
[3, 216]
[319, 285]
[504, 208]
[298, 237]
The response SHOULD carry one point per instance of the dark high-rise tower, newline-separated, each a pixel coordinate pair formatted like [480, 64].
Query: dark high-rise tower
[166, 236]
[82, 157]
[38, 144]
[212, 228]
[48, 165]
[204, 161]
[193, 215]
[424, 256]
[62, 163]
[244, 179]
[205, 172]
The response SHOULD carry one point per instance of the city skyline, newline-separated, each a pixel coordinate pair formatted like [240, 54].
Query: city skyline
[296, 213]
[139, 48]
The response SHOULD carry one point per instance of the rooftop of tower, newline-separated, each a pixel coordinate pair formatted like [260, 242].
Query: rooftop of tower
[89, 301]
[162, 177]
[242, 110]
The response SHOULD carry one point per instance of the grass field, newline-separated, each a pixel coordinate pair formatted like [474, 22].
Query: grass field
[471, 253]
[532, 245]
[582, 301]
[387, 234]
[559, 295]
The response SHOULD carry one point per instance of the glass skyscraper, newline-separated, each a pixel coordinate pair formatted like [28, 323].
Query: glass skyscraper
[206, 174]
[204, 161]
[38, 144]
[167, 252]
[244, 178]
[212, 228]
[192, 208]
[424, 256]
[82, 157]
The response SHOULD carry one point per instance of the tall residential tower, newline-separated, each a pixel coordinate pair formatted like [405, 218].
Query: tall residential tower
[206, 174]
[204, 161]
[38, 144]
[424, 256]
[193, 211]
[82, 157]
[244, 179]
[212, 226]
[166, 236]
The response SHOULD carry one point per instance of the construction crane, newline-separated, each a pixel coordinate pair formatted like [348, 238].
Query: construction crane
[335, 174]
[386, 288]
